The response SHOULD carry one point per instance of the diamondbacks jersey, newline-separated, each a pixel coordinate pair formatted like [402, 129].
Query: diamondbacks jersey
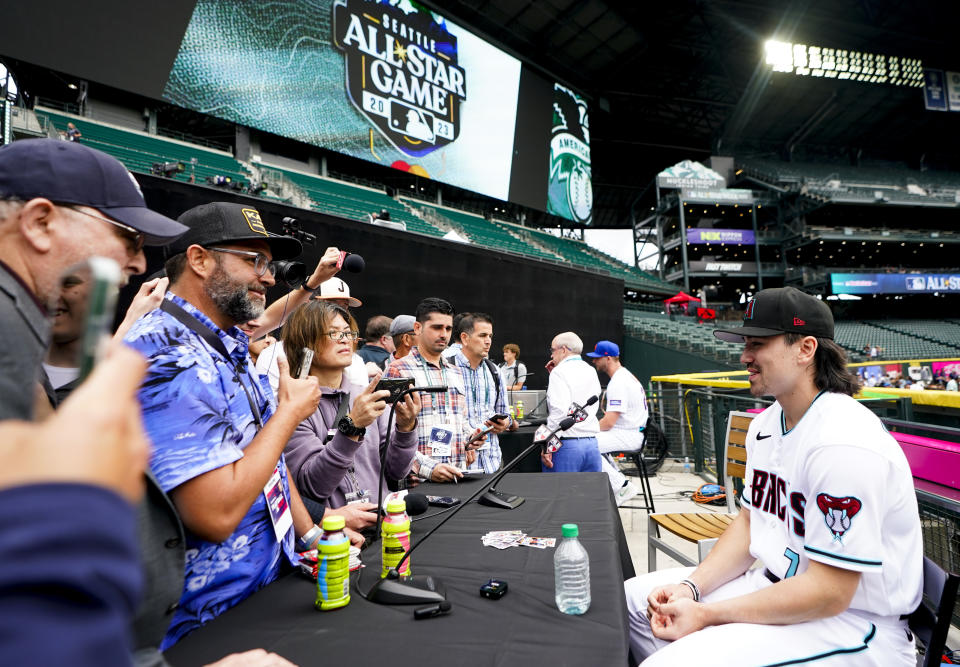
[836, 488]
[625, 395]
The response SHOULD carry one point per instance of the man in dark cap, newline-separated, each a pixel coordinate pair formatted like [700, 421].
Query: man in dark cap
[217, 431]
[828, 508]
[60, 203]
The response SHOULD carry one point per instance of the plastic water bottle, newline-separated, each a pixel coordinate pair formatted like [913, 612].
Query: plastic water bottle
[686, 464]
[395, 537]
[571, 567]
[333, 565]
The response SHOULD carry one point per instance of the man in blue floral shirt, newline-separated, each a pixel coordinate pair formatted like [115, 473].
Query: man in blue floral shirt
[218, 434]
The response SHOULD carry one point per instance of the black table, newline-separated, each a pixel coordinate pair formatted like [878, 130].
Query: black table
[514, 442]
[523, 628]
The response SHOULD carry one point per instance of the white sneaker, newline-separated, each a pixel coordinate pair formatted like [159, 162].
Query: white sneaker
[625, 493]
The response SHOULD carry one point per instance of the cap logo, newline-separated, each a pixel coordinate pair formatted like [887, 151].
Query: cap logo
[252, 216]
[797, 322]
[748, 313]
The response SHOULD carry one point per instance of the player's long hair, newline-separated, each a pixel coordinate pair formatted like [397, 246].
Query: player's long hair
[830, 366]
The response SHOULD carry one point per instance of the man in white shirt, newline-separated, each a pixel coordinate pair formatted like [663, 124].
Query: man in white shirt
[828, 509]
[572, 382]
[621, 428]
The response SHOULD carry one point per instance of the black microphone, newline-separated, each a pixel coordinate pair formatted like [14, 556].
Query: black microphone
[417, 503]
[433, 389]
[353, 263]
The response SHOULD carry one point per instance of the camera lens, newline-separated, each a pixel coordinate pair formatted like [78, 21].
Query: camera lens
[291, 273]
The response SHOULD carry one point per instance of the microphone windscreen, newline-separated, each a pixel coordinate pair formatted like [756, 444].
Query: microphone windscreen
[416, 503]
[567, 422]
[593, 399]
[354, 263]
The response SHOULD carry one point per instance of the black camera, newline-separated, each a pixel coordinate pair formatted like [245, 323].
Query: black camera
[293, 274]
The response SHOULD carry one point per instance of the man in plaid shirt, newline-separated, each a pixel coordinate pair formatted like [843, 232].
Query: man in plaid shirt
[442, 426]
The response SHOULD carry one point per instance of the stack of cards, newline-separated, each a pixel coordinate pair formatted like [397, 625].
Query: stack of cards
[504, 539]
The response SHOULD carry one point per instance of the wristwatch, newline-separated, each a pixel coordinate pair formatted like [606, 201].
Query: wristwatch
[349, 429]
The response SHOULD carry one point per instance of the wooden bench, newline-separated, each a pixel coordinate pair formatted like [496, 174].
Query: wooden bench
[704, 528]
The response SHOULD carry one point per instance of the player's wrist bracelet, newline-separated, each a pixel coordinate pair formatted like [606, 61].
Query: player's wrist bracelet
[309, 539]
[693, 589]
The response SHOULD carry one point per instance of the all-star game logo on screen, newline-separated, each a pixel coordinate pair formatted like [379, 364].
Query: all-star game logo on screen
[402, 71]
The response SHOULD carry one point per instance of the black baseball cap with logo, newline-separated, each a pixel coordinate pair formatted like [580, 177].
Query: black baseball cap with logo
[226, 222]
[782, 310]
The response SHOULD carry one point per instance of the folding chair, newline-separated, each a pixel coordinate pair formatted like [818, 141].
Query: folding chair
[930, 623]
[704, 528]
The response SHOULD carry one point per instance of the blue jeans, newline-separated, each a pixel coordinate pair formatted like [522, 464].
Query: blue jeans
[576, 455]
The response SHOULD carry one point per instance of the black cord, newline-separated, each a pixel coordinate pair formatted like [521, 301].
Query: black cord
[443, 511]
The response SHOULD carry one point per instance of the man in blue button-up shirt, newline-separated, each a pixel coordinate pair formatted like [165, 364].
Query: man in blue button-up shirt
[217, 433]
[484, 386]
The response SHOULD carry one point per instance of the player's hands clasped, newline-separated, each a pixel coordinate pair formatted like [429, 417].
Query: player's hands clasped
[673, 613]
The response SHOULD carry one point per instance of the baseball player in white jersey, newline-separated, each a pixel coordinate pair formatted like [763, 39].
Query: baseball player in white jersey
[829, 512]
[624, 418]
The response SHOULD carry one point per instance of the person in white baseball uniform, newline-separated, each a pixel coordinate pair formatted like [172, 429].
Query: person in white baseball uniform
[622, 424]
[829, 512]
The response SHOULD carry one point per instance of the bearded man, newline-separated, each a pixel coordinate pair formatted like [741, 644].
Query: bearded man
[218, 432]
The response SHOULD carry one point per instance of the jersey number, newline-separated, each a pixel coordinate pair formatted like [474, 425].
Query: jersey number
[794, 559]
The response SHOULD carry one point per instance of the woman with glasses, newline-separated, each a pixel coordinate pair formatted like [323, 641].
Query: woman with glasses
[334, 455]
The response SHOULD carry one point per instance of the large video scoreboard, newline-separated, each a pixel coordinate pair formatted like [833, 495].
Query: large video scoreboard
[391, 82]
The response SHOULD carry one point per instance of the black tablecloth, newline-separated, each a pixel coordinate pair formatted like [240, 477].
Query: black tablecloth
[514, 442]
[523, 628]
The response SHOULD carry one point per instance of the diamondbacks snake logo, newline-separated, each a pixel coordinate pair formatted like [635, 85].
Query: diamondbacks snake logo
[838, 513]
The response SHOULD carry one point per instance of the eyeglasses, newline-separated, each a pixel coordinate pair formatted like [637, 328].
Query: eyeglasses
[135, 239]
[261, 263]
[342, 335]
[557, 349]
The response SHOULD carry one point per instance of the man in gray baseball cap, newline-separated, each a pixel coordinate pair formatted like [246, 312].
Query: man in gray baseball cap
[60, 203]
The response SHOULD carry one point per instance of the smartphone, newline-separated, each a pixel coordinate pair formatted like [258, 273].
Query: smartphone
[307, 362]
[89, 295]
[477, 436]
[499, 417]
[443, 501]
[395, 386]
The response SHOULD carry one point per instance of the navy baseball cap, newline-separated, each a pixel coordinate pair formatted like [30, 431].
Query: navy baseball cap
[782, 310]
[605, 348]
[66, 172]
[225, 222]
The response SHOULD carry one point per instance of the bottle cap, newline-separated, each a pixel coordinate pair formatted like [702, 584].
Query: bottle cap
[394, 506]
[570, 530]
[333, 522]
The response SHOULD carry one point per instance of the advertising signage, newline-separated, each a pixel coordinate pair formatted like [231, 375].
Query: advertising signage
[698, 236]
[894, 283]
[387, 81]
[393, 83]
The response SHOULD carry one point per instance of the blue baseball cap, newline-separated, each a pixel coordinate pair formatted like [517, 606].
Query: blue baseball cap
[605, 348]
[66, 172]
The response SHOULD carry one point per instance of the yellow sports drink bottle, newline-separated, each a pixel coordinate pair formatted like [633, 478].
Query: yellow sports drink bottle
[333, 565]
[395, 534]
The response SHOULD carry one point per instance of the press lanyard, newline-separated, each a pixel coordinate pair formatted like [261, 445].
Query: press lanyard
[443, 377]
[195, 325]
[342, 408]
[475, 387]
